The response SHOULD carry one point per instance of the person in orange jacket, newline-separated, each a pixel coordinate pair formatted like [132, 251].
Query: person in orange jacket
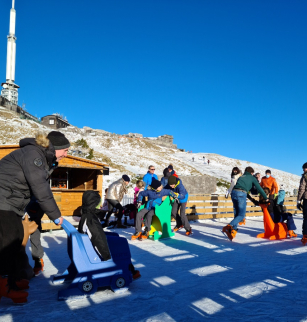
[269, 182]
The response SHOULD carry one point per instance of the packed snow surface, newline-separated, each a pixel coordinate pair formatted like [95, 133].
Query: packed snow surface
[197, 278]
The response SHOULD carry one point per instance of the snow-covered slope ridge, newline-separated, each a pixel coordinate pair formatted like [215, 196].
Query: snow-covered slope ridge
[133, 156]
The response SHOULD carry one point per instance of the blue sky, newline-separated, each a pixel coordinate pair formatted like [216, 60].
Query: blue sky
[226, 77]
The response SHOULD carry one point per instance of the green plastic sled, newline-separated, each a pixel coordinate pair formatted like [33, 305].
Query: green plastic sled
[161, 222]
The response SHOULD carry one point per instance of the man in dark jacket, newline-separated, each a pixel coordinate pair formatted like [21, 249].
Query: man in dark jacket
[24, 174]
[175, 184]
[302, 201]
[238, 196]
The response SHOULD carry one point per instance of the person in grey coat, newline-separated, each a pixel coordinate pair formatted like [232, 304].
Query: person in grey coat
[114, 197]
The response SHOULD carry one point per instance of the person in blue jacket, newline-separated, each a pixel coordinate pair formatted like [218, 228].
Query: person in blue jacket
[154, 196]
[175, 184]
[149, 176]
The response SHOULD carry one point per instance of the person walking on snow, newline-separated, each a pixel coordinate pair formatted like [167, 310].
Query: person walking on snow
[302, 202]
[115, 195]
[208, 161]
[235, 175]
[24, 174]
[149, 176]
[238, 196]
[175, 184]
[269, 182]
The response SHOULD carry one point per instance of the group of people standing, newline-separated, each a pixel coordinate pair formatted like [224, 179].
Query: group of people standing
[244, 185]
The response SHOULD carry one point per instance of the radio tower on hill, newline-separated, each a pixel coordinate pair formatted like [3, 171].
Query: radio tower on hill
[10, 89]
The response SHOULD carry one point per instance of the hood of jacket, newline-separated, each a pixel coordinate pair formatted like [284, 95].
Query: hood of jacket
[90, 200]
[48, 152]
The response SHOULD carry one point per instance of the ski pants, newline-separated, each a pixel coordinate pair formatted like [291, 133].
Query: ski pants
[304, 216]
[286, 216]
[11, 236]
[37, 249]
[148, 214]
[112, 203]
[182, 218]
[239, 207]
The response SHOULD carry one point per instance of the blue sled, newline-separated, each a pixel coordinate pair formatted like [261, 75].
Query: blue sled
[87, 272]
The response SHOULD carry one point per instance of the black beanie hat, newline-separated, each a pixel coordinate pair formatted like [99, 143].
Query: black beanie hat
[170, 167]
[58, 140]
[172, 180]
[305, 165]
[126, 178]
[155, 184]
[268, 171]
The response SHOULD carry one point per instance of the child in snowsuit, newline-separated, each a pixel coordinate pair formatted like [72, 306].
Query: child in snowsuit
[278, 215]
[238, 196]
[175, 184]
[90, 225]
[154, 198]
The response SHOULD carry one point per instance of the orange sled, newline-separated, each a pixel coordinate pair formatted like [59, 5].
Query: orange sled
[272, 231]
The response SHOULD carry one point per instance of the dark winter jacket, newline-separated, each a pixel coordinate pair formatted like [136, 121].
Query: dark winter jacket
[154, 197]
[173, 173]
[254, 190]
[90, 224]
[148, 178]
[302, 191]
[246, 181]
[24, 173]
[181, 190]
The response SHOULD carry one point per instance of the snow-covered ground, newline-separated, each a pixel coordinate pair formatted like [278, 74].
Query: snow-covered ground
[197, 278]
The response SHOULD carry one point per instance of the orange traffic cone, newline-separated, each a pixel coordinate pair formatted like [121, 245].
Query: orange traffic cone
[271, 230]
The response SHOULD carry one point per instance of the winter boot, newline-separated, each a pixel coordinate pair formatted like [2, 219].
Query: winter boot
[22, 284]
[38, 267]
[242, 222]
[304, 240]
[145, 234]
[136, 236]
[17, 296]
[189, 232]
[119, 224]
[136, 275]
[229, 231]
[177, 228]
[292, 234]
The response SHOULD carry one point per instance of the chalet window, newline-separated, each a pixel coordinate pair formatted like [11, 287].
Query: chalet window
[51, 121]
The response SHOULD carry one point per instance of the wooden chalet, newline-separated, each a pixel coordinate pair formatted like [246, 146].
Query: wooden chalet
[73, 176]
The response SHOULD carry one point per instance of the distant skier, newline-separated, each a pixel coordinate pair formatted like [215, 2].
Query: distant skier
[208, 161]
[193, 159]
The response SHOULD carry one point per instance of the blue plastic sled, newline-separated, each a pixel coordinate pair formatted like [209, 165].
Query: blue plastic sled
[87, 272]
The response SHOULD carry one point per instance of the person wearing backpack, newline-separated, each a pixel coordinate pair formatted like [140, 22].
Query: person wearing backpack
[302, 202]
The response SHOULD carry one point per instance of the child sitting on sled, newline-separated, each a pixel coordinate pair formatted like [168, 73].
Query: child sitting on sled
[277, 213]
[155, 195]
[90, 225]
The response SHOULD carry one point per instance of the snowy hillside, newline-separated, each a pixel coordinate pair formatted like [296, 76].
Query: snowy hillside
[133, 156]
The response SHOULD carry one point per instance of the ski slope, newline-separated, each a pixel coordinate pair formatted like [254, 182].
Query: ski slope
[198, 278]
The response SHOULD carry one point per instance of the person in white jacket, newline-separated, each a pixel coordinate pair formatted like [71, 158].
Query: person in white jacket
[235, 175]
